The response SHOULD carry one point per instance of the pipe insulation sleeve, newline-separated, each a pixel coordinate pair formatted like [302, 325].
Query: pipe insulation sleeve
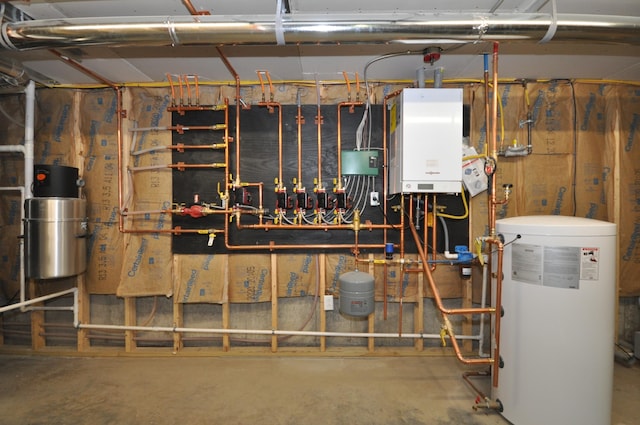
[279, 32]
[553, 27]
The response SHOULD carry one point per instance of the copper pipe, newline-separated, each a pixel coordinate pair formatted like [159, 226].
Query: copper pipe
[467, 375]
[402, 213]
[192, 10]
[84, 70]
[346, 78]
[456, 347]
[173, 90]
[182, 147]
[238, 107]
[186, 82]
[273, 246]
[327, 227]
[341, 105]
[494, 141]
[181, 102]
[434, 243]
[270, 106]
[299, 122]
[181, 165]
[434, 288]
[264, 99]
[384, 187]
[498, 315]
[182, 108]
[260, 186]
[319, 124]
[225, 196]
[195, 79]
[175, 231]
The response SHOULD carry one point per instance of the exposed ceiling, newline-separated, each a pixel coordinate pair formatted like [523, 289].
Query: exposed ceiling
[607, 48]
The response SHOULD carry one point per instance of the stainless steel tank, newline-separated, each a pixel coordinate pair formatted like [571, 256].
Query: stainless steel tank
[55, 232]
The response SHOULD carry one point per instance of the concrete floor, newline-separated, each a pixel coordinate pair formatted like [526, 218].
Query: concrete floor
[253, 390]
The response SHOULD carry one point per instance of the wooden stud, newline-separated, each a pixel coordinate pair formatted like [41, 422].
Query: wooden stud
[323, 288]
[372, 317]
[467, 323]
[37, 321]
[274, 301]
[418, 314]
[84, 313]
[226, 340]
[178, 308]
[130, 319]
[617, 213]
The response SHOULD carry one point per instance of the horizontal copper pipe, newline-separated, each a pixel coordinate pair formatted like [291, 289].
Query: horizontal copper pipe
[314, 226]
[181, 166]
[174, 231]
[273, 246]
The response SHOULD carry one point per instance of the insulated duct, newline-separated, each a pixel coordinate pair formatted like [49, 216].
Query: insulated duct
[13, 72]
[410, 28]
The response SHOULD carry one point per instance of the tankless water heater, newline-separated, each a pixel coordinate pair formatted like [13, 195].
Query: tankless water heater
[425, 141]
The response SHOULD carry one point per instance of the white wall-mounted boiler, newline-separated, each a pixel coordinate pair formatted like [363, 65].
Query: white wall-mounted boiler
[425, 141]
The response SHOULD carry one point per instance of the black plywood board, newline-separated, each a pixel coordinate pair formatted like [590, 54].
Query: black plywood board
[259, 160]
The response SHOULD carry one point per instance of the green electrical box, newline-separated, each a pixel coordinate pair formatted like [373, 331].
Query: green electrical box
[359, 163]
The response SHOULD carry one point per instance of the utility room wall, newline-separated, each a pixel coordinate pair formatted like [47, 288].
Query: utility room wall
[584, 162]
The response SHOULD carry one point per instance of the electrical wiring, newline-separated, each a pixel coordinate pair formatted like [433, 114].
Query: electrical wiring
[575, 147]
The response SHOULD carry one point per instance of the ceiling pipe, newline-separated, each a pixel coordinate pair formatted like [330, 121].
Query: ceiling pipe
[412, 28]
[13, 72]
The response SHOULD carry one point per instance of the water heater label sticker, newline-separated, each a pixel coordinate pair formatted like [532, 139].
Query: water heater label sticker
[561, 267]
[526, 265]
[590, 264]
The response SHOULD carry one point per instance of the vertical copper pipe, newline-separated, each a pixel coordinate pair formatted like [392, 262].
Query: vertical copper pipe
[496, 352]
[120, 143]
[319, 124]
[119, 134]
[341, 105]
[445, 311]
[238, 107]
[384, 186]
[494, 142]
[299, 120]
[272, 105]
[434, 288]
[226, 151]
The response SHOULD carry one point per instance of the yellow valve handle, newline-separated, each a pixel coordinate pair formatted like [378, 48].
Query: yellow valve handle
[478, 245]
[443, 334]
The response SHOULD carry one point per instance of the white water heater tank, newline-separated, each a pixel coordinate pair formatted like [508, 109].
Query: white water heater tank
[557, 331]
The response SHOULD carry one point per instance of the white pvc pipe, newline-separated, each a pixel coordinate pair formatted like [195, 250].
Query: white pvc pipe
[266, 332]
[42, 299]
[12, 148]
[29, 120]
[13, 188]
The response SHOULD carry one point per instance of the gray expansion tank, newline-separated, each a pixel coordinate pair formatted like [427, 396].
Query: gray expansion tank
[357, 294]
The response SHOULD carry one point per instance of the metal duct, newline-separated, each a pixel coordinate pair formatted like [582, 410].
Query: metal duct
[414, 28]
[12, 72]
